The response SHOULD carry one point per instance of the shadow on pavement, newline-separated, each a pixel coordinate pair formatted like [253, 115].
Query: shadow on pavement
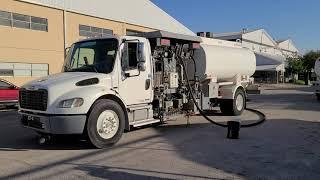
[129, 173]
[112, 173]
[279, 149]
[13, 137]
[57, 143]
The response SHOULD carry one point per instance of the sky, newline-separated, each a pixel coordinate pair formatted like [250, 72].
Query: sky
[295, 19]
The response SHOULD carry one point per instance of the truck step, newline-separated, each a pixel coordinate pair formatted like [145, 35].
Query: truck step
[144, 122]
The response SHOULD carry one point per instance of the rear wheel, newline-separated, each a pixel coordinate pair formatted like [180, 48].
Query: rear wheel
[234, 107]
[106, 123]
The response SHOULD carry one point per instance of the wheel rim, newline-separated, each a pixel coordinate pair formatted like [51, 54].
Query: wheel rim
[107, 124]
[240, 102]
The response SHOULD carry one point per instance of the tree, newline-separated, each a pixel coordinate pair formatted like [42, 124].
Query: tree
[295, 65]
[309, 60]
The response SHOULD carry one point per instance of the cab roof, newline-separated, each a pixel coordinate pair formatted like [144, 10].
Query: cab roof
[152, 35]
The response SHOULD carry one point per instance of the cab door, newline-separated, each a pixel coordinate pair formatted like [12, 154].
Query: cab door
[135, 84]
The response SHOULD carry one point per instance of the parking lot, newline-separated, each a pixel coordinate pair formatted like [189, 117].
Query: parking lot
[287, 146]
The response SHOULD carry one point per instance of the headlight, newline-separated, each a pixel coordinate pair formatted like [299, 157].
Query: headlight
[71, 103]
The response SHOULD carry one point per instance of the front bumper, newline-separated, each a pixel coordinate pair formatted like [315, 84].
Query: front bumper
[54, 124]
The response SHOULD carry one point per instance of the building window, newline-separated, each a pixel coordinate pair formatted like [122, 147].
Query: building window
[132, 32]
[6, 72]
[23, 21]
[23, 70]
[5, 18]
[40, 24]
[90, 31]
[38, 70]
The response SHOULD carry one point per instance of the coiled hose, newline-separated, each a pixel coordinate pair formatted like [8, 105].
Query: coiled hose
[260, 114]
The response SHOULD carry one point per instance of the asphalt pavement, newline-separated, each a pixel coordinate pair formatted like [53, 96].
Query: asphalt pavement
[287, 146]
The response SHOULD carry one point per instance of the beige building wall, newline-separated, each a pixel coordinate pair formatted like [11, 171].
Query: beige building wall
[137, 28]
[73, 20]
[30, 46]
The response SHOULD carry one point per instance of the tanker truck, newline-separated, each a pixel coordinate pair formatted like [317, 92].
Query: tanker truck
[317, 84]
[111, 84]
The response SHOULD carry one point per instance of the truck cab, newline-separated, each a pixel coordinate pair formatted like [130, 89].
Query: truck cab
[112, 72]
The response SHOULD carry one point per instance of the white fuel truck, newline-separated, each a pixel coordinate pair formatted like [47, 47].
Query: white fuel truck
[113, 83]
[317, 84]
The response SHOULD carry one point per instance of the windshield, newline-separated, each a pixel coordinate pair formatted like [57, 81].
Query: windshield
[92, 56]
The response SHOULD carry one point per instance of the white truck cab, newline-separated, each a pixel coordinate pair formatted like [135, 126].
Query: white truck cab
[112, 83]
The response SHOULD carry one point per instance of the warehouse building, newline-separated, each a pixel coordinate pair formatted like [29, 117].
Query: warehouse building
[271, 55]
[35, 33]
[288, 48]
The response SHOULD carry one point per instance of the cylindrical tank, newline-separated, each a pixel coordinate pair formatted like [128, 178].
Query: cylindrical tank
[317, 68]
[223, 62]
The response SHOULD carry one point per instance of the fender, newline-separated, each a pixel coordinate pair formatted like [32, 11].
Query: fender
[113, 95]
[228, 92]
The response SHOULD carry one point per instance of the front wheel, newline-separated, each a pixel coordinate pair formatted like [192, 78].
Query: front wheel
[236, 106]
[106, 123]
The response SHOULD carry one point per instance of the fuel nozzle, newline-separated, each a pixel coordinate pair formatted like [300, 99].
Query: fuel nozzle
[234, 126]
[233, 129]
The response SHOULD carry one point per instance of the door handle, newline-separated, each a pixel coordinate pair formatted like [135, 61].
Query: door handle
[148, 84]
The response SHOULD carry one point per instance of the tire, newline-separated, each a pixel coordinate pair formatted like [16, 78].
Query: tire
[318, 97]
[106, 123]
[232, 107]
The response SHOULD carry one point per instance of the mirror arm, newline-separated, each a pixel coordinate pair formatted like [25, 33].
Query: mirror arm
[66, 51]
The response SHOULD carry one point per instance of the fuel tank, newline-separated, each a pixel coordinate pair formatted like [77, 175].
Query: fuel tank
[222, 60]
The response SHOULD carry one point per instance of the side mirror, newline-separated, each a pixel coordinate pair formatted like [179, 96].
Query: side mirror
[141, 57]
[140, 52]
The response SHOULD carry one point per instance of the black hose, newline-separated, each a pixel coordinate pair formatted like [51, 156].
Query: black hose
[260, 114]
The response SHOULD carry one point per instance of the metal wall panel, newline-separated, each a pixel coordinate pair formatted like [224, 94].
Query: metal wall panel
[137, 12]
